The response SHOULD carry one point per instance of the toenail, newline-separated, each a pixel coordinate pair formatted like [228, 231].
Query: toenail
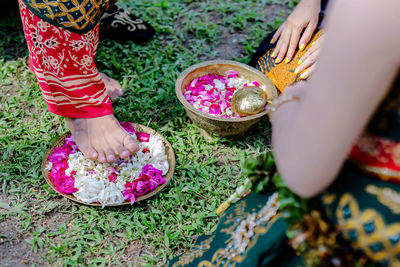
[125, 154]
[133, 147]
[110, 158]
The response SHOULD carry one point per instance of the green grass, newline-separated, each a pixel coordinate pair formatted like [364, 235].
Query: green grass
[152, 232]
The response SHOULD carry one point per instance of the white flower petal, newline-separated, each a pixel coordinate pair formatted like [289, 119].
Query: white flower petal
[91, 178]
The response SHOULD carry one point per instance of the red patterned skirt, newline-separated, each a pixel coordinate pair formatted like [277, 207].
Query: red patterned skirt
[63, 63]
[378, 156]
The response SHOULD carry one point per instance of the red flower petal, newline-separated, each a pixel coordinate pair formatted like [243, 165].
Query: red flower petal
[143, 137]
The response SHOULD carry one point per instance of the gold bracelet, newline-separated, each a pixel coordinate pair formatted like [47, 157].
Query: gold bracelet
[275, 104]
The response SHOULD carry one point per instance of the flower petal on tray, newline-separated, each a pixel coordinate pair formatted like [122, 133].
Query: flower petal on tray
[147, 182]
[60, 153]
[128, 127]
[109, 183]
[143, 137]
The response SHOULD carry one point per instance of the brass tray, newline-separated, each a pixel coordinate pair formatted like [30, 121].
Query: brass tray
[139, 128]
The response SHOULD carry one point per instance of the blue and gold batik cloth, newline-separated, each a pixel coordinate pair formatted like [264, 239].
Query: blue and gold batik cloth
[363, 202]
[78, 16]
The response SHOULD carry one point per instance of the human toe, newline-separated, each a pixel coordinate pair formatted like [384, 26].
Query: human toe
[130, 144]
[102, 157]
[122, 152]
[90, 153]
[110, 157]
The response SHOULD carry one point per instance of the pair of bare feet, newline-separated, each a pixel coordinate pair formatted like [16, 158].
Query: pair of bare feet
[103, 138]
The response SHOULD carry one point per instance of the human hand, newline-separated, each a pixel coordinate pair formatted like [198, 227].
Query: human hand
[307, 61]
[304, 17]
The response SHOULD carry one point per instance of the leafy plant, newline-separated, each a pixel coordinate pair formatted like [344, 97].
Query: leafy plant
[264, 177]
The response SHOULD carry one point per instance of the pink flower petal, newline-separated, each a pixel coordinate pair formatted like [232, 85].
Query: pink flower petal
[147, 182]
[60, 153]
[62, 183]
[232, 74]
[149, 179]
[228, 96]
[128, 127]
[215, 109]
[112, 177]
[217, 98]
[193, 83]
[224, 105]
[143, 137]
[69, 141]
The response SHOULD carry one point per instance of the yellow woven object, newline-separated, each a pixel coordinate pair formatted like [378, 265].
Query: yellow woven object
[283, 74]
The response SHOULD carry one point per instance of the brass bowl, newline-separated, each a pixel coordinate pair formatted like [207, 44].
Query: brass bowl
[139, 128]
[216, 125]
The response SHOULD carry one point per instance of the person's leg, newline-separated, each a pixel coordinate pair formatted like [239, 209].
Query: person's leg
[63, 63]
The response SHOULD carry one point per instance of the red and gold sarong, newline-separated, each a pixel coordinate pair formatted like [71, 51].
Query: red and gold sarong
[63, 63]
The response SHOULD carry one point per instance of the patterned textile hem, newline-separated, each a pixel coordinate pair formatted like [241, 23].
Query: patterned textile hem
[63, 63]
[71, 15]
[250, 233]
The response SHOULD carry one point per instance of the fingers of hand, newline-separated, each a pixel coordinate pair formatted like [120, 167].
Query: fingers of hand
[311, 56]
[307, 34]
[277, 34]
[282, 46]
[294, 39]
[308, 61]
[307, 73]
[315, 47]
[288, 42]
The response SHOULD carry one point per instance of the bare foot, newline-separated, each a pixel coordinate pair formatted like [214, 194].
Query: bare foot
[113, 88]
[102, 138]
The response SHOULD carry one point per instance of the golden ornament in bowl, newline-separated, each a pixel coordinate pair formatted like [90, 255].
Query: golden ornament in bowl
[249, 101]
